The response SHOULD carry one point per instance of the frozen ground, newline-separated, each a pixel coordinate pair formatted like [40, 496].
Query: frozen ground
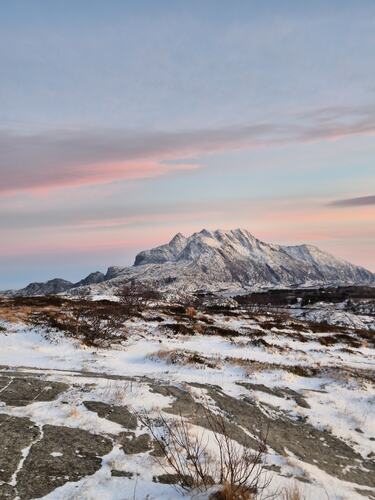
[313, 389]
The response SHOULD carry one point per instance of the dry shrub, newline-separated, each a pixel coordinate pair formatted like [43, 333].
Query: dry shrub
[237, 469]
[178, 328]
[97, 323]
[199, 328]
[136, 297]
[292, 493]
[190, 312]
[227, 492]
[178, 357]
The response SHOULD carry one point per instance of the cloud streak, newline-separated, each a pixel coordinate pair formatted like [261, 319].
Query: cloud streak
[354, 202]
[72, 158]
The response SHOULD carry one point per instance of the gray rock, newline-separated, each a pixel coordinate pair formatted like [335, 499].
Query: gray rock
[92, 278]
[118, 414]
[284, 434]
[132, 444]
[121, 473]
[43, 471]
[309, 444]
[16, 434]
[56, 285]
[174, 479]
[23, 391]
[280, 392]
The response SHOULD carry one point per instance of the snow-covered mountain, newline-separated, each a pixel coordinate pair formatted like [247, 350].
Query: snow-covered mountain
[230, 260]
[234, 260]
[54, 286]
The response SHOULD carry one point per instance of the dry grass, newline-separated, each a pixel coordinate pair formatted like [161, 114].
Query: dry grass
[98, 323]
[292, 493]
[250, 366]
[74, 412]
[229, 493]
[179, 357]
[190, 312]
[17, 312]
[50, 311]
[183, 358]
[75, 317]
[118, 393]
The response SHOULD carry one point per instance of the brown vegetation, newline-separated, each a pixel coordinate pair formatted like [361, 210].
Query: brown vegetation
[135, 297]
[238, 470]
[94, 323]
[292, 493]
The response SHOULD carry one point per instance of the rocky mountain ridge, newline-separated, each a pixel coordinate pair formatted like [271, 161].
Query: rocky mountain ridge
[217, 261]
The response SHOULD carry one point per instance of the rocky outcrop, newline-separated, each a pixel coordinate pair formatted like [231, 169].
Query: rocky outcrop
[50, 287]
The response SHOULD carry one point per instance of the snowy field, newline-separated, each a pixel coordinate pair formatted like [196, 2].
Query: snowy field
[291, 374]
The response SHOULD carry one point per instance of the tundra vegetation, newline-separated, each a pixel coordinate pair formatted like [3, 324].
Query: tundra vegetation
[199, 397]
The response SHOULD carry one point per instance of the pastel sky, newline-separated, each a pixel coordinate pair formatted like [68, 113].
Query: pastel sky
[124, 122]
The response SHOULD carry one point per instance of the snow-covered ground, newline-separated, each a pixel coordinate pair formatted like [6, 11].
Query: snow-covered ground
[338, 395]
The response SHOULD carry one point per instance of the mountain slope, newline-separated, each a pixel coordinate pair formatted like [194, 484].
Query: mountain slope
[57, 285]
[222, 260]
[327, 266]
[235, 259]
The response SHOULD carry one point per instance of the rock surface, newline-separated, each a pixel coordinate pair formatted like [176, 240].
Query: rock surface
[61, 455]
[23, 391]
[118, 414]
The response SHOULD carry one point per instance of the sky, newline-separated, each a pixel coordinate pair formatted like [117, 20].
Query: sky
[124, 122]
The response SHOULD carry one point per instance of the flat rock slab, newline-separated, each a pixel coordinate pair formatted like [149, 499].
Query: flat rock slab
[132, 444]
[182, 480]
[21, 391]
[121, 473]
[4, 381]
[306, 442]
[16, 433]
[185, 406]
[61, 455]
[285, 435]
[118, 414]
[7, 492]
[280, 392]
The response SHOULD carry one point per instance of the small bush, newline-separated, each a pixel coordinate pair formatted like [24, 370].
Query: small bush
[136, 297]
[238, 470]
[95, 323]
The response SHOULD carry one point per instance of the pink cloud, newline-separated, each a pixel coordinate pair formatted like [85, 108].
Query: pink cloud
[77, 158]
[100, 173]
[284, 222]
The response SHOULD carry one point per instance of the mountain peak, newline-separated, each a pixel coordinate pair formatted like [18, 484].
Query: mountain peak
[223, 260]
[216, 258]
[177, 238]
[221, 234]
